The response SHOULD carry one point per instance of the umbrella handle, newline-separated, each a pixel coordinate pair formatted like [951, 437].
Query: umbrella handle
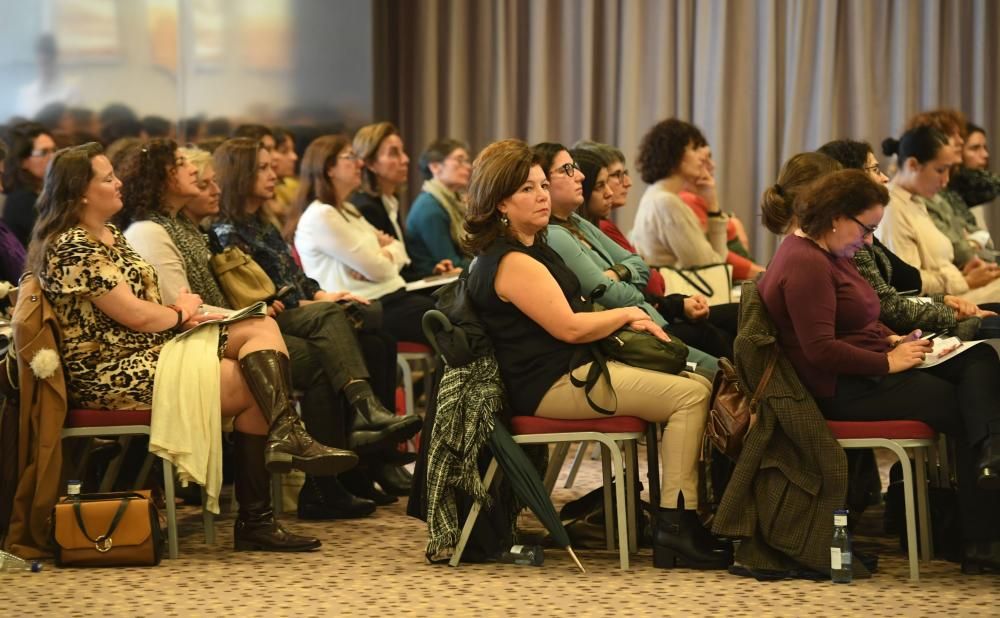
[572, 555]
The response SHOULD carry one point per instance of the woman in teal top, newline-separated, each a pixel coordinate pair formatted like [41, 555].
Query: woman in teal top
[434, 230]
[590, 254]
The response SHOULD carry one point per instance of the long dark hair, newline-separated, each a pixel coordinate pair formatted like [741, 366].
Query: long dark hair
[314, 184]
[21, 139]
[236, 171]
[144, 171]
[59, 205]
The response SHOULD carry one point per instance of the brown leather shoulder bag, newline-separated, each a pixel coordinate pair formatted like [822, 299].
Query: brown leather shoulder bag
[733, 412]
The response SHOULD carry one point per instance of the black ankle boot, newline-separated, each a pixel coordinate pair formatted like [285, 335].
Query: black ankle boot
[394, 480]
[359, 482]
[289, 445]
[256, 528]
[989, 463]
[980, 558]
[324, 497]
[679, 540]
[372, 425]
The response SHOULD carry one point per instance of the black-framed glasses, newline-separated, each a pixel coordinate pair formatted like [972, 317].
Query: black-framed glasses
[869, 229]
[569, 169]
[872, 169]
[618, 176]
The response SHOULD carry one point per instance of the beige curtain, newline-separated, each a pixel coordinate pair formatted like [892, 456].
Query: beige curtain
[764, 79]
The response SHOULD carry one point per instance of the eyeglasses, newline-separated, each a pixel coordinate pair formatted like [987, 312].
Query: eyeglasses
[42, 152]
[618, 176]
[869, 229]
[460, 161]
[349, 156]
[872, 169]
[569, 169]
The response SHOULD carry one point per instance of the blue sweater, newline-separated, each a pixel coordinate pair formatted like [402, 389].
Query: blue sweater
[428, 236]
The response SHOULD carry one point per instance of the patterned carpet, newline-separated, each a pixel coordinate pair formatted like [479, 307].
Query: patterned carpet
[375, 567]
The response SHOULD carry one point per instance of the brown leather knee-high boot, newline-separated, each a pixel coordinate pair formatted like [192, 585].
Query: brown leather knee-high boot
[268, 373]
[256, 527]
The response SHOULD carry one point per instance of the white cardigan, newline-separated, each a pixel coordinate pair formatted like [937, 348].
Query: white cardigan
[336, 247]
[666, 232]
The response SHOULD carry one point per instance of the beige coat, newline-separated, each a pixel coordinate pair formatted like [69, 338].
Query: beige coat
[43, 413]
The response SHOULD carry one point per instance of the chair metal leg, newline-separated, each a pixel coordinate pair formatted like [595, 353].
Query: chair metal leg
[147, 466]
[407, 371]
[926, 537]
[653, 467]
[609, 519]
[911, 512]
[580, 454]
[207, 519]
[614, 454]
[631, 493]
[470, 521]
[168, 496]
[115, 465]
[556, 461]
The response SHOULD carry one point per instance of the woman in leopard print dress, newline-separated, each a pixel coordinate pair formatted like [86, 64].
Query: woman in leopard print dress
[106, 299]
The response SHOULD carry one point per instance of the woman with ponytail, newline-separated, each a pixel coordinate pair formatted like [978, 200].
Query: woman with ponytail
[925, 159]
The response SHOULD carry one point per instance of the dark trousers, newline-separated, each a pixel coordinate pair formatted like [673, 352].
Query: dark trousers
[402, 315]
[331, 339]
[960, 398]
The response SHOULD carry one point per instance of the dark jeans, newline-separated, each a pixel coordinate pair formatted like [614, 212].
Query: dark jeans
[402, 315]
[960, 398]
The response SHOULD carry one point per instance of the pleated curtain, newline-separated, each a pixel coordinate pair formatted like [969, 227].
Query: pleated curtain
[764, 79]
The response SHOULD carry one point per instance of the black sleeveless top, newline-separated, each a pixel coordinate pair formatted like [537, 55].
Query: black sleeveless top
[530, 359]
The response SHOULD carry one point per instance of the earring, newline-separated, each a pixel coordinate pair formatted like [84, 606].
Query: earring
[504, 220]
[84, 200]
[834, 230]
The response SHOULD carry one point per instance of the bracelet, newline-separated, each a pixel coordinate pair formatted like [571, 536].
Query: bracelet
[624, 274]
[715, 214]
[180, 316]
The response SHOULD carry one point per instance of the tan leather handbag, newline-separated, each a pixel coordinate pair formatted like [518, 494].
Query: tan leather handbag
[242, 280]
[111, 529]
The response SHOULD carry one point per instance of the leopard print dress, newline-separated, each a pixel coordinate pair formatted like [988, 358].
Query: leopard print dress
[108, 366]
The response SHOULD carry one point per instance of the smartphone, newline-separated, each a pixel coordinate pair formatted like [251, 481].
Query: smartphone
[930, 335]
[279, 294]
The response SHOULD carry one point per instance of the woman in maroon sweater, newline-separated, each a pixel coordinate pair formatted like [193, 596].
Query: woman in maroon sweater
[826, 314]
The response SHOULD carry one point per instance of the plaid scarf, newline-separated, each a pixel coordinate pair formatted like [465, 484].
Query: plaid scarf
[469, 398]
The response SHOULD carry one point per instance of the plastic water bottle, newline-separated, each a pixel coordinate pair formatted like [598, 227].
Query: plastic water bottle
[840, 550]
[73, 490]
[10, 562]
[523, 554]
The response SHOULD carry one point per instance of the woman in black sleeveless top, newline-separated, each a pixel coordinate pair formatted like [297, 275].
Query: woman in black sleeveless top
[530, 304]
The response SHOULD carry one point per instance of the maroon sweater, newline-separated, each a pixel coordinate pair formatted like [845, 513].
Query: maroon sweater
[826, 314]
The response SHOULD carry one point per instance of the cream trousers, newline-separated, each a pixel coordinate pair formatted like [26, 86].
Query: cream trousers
[679, 400]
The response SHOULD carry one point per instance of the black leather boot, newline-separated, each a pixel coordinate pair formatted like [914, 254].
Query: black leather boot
[394, 480]
[324, 497]
[679, 540]
[372, 426]
[359, 482]
[289, 445]
[978, 558]
[256, 528]
[989, 463]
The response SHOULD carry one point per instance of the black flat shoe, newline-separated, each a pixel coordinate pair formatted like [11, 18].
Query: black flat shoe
[359, 483]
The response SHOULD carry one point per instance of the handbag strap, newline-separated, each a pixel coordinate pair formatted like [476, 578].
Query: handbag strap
[102, 541]
[598, 369]
[701, 285]
[764, 379]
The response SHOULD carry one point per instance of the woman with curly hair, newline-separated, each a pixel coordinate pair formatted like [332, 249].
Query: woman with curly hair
[666, 232]
[114, 329]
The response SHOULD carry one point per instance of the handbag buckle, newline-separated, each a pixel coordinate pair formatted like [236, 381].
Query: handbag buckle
[103, 544]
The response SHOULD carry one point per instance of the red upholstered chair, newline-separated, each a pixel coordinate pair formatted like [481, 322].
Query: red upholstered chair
[901, 438]
[609, 432]
[82, 423]
[412, 352]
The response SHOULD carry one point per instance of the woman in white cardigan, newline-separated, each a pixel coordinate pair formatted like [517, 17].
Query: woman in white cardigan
[340, 249]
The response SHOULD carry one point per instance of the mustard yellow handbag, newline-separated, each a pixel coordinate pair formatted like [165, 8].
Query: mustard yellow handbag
[242, 280]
